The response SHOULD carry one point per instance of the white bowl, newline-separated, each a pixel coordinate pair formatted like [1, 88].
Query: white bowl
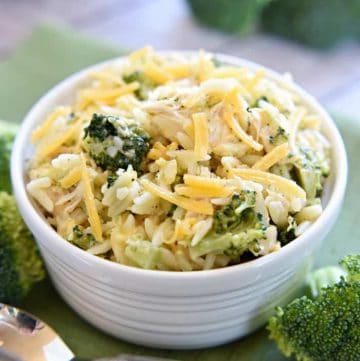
[173, 309]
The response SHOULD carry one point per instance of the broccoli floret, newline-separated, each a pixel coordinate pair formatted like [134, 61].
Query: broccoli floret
[257, 101]
[327, 326]
[143, 253]
[217, 63]
[230, 216]
[279, 137]
[287, 235]
[351, 264]
[81, 239]
[236, 16]
[111, 180]
[146, 84]
[283, 170]
[313, 22]
[237, 228]
[7, 135]
[113, 144]
[20, 262]
[309, 170]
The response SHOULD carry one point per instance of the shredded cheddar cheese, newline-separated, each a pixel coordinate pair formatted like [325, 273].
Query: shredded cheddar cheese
[44, 128]
[48, 149]
[203, 207]
[155, 72]
[89, 200]
[286, 186]
[203, 192]
[240, 133]
[271, 158]
[201, 135]
[72, 178]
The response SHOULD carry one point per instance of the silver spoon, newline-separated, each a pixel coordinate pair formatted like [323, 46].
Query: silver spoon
[23, 337]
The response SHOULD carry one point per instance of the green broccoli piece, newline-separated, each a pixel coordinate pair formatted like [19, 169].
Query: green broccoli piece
[279, 137]
[287, 235]
[230, 216]
[146, 84]
[283, 170]
[351, 264]
[313, 22]
[237, 228]
[309, 170]
[325, 326]
[237, 16]
[81, 239]
[143, 253]
[20, 262]
[113, 144]
[7, 135]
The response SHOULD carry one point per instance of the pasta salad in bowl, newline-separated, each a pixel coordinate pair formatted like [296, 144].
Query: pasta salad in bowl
[180, 163]
[177, 197]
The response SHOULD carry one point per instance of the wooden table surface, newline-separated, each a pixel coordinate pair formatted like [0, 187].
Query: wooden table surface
[333, 76]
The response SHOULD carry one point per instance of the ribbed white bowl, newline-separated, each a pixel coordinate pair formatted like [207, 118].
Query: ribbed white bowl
[173, 309]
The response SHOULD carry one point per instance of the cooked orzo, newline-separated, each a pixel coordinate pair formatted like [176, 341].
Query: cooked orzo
[180, 162]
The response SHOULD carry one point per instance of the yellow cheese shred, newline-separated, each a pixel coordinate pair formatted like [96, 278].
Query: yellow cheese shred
[239, 132]
[105, 95]
[140, 53]
[177, 71]
[201, 136]
[259, 75]
[73, 177]
[196, 206]
[51, 148]
[271, 158]
[89, 199]
[202, 192]
[201, 182]
[44, 128]
[156, 73]
[284, 185]
[233, 99]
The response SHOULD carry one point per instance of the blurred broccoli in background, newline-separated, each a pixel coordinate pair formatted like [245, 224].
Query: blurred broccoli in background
[325, 325]
[7, 135]
[316, 23]
[114, 144]
[20, 262]
[236, 16]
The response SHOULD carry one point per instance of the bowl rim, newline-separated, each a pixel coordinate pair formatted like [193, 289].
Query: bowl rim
[28, 211]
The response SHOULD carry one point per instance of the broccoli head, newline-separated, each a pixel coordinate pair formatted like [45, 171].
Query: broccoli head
[7, 135]
[313, 22]
[237, 228]
[143, 253]
[113, 144]
[324, 327]
[309, 170]
[146, 84]
[20, 262]
[81, 239]
[236, 16]
[279, 137]
[230, 216]
[287, 235]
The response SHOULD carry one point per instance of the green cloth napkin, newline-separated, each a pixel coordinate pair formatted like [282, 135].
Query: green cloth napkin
[47, 57]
